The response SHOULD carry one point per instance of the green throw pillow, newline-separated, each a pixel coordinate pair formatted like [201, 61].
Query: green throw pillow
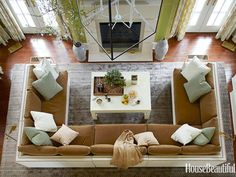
[38, 137]
[47, 86]
[205, 137]
[197, 87]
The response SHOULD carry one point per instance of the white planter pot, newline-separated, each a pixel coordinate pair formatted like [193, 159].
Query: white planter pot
[79, 51]
[161, 49]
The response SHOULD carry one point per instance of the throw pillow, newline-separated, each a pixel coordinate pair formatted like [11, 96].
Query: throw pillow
[145, 139]
[44, 121]
[37, 137]
[47, 86]
[197, 87]
[193, 68]
[205, 137]
[43, 67]
[185, 134]
[65, 135]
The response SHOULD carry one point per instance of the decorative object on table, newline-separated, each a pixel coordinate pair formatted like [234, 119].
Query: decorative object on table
[134, 79]
[113, 84]
[100, 87]
[132, 94]
[125, 99]
[107, 98]
[99, 101]
[161, 49]
[80, 51]
[15, 47]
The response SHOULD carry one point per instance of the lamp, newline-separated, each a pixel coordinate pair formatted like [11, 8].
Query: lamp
[119, 17]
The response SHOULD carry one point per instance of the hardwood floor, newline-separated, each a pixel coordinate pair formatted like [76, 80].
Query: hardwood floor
[61, 52]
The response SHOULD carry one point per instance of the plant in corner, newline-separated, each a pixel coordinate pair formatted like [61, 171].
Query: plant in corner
[114, 78]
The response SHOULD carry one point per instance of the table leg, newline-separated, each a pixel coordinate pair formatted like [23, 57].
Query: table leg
[147, 114]
[94, 115]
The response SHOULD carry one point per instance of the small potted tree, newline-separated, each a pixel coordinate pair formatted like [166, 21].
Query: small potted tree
[114, 79]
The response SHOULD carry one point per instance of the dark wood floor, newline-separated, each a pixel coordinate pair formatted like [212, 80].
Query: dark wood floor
[61, 52]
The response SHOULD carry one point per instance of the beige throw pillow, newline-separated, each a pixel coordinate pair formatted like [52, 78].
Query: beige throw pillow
[145, 139]
[65, 135]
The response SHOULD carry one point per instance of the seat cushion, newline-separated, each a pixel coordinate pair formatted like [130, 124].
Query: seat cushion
[163, 133]
[32, 103]
[108, 133]
[195, 149]
[86, 135]
[57, 105]
[38, 150]
[107, 149]
[74, 150]
[185, 112]
[164, 150]
[208, 106]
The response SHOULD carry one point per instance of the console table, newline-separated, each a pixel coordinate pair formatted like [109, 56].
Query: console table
[115, 105]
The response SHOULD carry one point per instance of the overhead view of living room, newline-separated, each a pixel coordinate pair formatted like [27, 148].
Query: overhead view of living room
[117, 88]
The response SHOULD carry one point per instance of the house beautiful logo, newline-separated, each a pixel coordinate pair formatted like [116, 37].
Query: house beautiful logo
[208, 168]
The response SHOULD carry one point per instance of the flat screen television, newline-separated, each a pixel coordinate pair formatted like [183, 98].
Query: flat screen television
[122, 36]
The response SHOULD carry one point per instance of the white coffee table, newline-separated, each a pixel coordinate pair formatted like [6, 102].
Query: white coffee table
[115, 106]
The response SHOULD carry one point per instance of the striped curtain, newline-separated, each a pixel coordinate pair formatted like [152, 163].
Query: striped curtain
[13, 30]
[229, 27]
[182, 18]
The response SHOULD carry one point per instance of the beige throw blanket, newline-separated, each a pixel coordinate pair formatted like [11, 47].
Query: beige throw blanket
[125, 152]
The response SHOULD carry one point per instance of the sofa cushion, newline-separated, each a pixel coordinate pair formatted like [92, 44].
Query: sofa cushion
[86, 135]
[193, 68]
[107, 149]
[108, 133]
[47, 86]
[213, 123]
[57, 105]
[184, 111]
[64, 135]
[195, 149]
[38, 150]
[196, 87]
[27, 123]
[208, 106]
[164, 149]
[185, 134]
[44, 121]
[145, 139]
[209, 76]
[205, 136]
[32, 103]
[37, 137]
[163, 133]
[74, 150]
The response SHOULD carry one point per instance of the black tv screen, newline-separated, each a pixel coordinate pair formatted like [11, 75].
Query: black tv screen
[122, 36]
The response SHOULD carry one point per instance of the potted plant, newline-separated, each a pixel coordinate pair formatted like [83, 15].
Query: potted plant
[114, 79]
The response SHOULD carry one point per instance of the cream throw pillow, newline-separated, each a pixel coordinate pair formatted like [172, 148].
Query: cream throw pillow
[194, 68]
[185, 134]
[65, 135]
[145, 139]
[44, 121]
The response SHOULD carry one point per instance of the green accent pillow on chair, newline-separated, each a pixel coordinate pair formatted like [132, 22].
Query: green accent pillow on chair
[205, 137]
[47, 86]
[38, 137]
[197, 87]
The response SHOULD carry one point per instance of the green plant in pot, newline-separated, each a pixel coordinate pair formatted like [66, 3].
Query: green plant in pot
[114, 79]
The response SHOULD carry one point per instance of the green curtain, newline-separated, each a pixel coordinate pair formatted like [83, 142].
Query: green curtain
[166, 18]
[71, 18]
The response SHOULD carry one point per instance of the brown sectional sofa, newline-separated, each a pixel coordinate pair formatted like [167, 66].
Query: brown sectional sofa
[98, 140]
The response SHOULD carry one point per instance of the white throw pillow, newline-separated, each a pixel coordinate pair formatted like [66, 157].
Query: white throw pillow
[65, 135]
[145, 139]
[194, 68]
[43, 67]
[44, 121]
[185, 134]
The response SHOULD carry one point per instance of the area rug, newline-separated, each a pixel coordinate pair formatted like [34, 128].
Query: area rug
[79, 114]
